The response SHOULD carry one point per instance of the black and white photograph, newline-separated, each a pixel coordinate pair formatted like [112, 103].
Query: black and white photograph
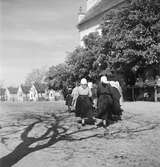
[80, 83]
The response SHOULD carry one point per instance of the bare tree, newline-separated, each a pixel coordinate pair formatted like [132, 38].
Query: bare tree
[36, 75]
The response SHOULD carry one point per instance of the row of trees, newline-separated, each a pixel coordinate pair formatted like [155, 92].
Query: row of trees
[129, 47]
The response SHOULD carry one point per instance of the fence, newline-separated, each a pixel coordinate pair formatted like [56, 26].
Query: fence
[143, 93]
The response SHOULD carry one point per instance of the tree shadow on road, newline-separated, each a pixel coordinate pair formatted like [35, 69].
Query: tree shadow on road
[54, 133]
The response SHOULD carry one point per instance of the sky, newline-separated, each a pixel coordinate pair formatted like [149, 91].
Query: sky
[34, 34]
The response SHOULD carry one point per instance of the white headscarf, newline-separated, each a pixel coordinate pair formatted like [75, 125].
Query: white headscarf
[83, 81]
[104, 79]
[90, 85]
[115, 84]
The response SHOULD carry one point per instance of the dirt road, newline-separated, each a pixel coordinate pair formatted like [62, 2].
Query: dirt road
[44, 135]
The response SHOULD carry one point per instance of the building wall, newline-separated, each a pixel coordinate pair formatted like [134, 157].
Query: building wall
[21, 96]
[33, 94]
[3, 96]
[11, 97]
[87, 32]
[91, 26]
[59, 95]
[91, 3]
[52, 95]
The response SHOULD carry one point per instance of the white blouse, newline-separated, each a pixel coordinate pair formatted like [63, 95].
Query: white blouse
[86, 91]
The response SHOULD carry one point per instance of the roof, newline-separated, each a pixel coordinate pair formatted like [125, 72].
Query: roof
[100, 8]
[25, 89]
[40, 87]
[12, 90]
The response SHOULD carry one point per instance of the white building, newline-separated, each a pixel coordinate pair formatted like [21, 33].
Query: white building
[11, 94]
[23, 93]
[52, 95]
[38, 92]
[95, 9]
[3, 94]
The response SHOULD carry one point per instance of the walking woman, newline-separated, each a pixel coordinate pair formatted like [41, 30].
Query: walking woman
[84, 103]
[105, 101]
[117, 91]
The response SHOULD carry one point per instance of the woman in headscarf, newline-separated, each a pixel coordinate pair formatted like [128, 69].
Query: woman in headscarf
[117, 91]
[84, 104]
[105, 101]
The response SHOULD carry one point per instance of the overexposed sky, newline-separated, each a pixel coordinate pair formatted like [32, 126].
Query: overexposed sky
[35, 33]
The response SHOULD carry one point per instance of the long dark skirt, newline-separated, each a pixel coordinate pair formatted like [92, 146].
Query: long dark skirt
[116, 103]
[104, 107]
[84, 107]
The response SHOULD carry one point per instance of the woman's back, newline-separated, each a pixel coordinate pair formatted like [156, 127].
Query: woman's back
[103, 89]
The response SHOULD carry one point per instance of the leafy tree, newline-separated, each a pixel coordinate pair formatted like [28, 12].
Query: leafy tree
[86, 62]
[128, 46]
[94, 45]
[131, 38]
[81, 61]
[58, 76]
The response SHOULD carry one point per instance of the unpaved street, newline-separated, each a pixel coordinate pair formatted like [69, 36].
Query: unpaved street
[43, 134]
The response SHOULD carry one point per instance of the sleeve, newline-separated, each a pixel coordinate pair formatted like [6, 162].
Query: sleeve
[75, 93]
[72, 94]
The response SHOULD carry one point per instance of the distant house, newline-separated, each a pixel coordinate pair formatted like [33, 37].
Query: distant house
[2, 94]
[59, 95]
[55, 95]
[90, 21]
[11, 94]
[51, 95]
[23, 93]
[37, 92]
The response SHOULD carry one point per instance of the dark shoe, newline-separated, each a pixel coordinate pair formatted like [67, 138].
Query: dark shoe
[100, 124]
[83, 124]
[79, 121]
[90, 121]
[105, 124]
